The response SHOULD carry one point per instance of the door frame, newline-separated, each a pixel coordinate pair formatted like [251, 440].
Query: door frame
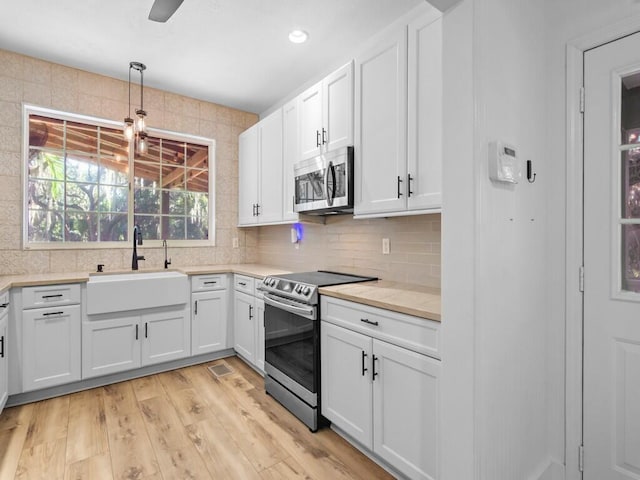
[574, 314]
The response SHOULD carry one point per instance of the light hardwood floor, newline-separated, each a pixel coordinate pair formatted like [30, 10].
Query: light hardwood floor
[184, 424]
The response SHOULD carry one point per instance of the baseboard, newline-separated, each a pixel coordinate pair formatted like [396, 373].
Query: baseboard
[45, 393]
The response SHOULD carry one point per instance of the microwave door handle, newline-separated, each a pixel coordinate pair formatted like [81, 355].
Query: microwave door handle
[332, 196]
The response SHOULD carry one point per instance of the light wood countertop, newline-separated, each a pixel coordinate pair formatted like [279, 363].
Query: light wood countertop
[413, 300]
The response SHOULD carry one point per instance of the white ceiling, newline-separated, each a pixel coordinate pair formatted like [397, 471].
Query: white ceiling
[232, 52]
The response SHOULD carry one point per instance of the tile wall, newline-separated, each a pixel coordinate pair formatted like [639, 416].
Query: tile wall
[26, 79]
[345, 244]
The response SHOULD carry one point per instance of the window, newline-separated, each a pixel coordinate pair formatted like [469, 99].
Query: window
[84, 184]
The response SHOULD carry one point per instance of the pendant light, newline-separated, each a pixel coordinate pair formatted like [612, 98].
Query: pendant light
[137, 129]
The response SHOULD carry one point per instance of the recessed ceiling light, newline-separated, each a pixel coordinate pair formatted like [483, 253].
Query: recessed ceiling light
[298, 36]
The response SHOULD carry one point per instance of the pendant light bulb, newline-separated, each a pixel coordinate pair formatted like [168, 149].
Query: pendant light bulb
[128, 128]
[143, 143]
[141, 123]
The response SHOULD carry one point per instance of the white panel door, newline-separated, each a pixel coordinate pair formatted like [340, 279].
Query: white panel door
[611, 430]
[290, 155]
[110, 346]
[248, 176]
[209, 322]
[424, 130]
[381, 126]
[337, 104]
[270, 171]
[4, 363]
[167, 336]
[51, 346]
[406, 413]
[310, 108]
[346, 381]
[244, 329]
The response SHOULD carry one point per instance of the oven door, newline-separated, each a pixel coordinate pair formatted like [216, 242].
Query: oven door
[292, 341]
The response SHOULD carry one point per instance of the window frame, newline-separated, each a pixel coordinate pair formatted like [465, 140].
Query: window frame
[210, 143]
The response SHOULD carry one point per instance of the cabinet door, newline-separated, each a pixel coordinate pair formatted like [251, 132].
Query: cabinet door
[167, 336]
[310, 106]
[425, 113]
[110, 346]
[381, 126]
[243, 326]
[346, 381]
[4, 363]
[270, 172]
[51, 346]
[209, 322]
[259, 330]
[406, 410]
[248, 176]
[337, 105]
[290, 154]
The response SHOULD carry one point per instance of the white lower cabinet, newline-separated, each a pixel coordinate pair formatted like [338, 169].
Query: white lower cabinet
[51, 346]
[209, 322]
[248, 325]
[4, 360]
[383, 396]
[123, 341]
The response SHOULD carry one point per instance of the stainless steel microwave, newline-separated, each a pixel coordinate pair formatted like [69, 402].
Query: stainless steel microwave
[324, 184]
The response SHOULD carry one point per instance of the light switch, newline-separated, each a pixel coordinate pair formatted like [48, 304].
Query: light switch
[385, 246]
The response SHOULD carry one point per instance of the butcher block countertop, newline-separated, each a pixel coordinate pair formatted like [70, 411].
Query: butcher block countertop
[413, 300]
[35, 279]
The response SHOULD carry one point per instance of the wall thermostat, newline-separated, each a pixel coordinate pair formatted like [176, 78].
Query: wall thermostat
[504, 165]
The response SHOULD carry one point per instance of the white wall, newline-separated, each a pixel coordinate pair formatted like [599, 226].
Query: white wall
[494, 257]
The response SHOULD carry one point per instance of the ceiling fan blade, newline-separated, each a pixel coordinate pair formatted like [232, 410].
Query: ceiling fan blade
[162, 10]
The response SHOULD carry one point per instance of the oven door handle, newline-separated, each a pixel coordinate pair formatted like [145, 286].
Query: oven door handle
[306, 311]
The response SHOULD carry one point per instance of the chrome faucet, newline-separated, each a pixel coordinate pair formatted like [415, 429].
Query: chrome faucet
[166, 262]
[137, 239]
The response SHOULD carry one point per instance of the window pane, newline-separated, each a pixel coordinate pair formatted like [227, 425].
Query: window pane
[173, 153]
[146, 174]
[153, 152]
[81, 227]
[45, 195]
[82, 137]
[113, 227]
[631, 183]
[46, 165]
[82, 196]
[631, 257]
[45, 226]
[113, 199]
[82, 168]
[149, 226]
[176, 228]
[197, 228]
[198, 180]
[172, 177]
[147, 200]
[197, 156]
[114, 171]
[113, 144]
[177, 202]
[46, 132]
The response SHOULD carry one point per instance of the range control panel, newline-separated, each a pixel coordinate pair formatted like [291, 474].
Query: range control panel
[288, 288]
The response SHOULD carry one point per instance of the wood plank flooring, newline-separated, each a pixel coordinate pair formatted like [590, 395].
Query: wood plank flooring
[183, 424]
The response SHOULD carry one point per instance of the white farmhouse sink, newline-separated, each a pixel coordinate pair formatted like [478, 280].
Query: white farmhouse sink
[134, 291]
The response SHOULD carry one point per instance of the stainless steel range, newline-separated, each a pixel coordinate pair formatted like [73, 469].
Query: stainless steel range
[292, 339]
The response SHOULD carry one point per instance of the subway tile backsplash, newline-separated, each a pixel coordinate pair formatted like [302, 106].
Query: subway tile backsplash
[345, 244]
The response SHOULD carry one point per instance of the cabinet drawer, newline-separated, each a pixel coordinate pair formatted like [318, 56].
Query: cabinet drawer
[50, 295]
[417, 334]
[245, 284]
[203, 283]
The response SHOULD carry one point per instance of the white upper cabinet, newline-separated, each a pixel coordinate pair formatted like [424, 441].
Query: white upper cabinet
[425, 113]
[326, 114]
[290, 155]
[381, 125]
[260, 195]
[398, 120]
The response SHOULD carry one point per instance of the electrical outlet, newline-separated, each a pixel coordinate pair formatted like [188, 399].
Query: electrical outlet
[235, 242]
[385, 246]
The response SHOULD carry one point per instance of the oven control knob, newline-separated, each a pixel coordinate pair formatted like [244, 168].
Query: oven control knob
[306, 290]
[298, 288]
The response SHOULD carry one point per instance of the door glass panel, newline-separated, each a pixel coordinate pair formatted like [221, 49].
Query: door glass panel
[630, 182]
